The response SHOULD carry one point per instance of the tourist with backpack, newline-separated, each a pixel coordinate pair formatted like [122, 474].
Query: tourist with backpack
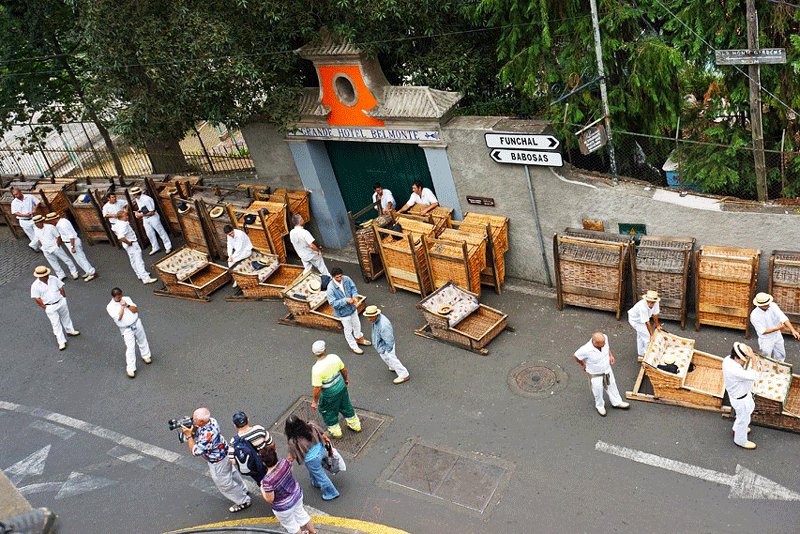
[245, 447]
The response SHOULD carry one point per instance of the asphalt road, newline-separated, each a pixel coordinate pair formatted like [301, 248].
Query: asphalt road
[231, 356]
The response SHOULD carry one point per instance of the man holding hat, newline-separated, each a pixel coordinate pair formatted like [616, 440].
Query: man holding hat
[596, 359]
[112, 208]
[768, 320]
[127, 237]
[343, 297]
[70, 238]
[329, 380]
[23, 207]
[48, 238]
[125, 314]
[639, 318]
[383, 341]
[738, 383]
[48, 292]
[151, 220]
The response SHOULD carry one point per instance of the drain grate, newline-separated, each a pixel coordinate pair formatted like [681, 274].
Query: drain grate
[537, 380]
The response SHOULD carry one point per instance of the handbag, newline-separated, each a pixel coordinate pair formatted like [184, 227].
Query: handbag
[333, 461]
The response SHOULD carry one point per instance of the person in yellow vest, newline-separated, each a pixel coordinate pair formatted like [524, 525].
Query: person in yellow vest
[330, 380]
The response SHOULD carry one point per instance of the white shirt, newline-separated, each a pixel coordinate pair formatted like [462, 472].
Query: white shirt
[113, 209]
[124, 229]
[128, 317]
[738, 380]
[386, 197]
[26, 205]
[239, 246]
[301, 240]
[47, 236]
[50, 292]
[641, 312]
[597, 360]
[426, 199]
[763, 320]
[66, 230]
[144, 201]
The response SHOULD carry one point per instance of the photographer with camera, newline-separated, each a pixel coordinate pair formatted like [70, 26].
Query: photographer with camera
[204, 439]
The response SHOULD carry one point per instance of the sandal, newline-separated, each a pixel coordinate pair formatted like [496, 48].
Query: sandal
[239, 507]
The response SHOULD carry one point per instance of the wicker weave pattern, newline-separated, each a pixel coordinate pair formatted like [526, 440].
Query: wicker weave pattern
[785, 282]
[498, 224]
[447, 262]
[662, 264]
[298, 201]
[192, 226]
[725, 280]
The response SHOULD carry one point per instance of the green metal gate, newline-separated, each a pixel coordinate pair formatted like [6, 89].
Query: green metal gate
[359, 165]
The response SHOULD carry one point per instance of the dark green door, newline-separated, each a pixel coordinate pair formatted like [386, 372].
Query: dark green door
[359, 165]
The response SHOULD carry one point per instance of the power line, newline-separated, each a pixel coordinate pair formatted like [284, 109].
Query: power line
[782, 3]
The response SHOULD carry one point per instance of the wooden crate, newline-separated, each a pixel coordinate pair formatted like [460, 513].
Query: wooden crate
[85, 207]
[405, 260]
[456, 256]
[366, 240]
[498, 224]
[494, 273]
[725, 284]
[298, 202]
[784, 283]
[662, 264]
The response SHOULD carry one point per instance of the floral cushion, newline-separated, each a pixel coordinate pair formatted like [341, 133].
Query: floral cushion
[302, 291]
[664, 344]
[463, 303]
[184, 263]
[269, 261]
[775, 380]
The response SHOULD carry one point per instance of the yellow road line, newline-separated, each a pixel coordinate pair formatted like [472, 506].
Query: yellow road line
[342, 522]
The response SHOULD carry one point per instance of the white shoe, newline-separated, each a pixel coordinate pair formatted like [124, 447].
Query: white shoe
[358, 350]
[74, 333]
[748, 445]
[601, 411]
[62, 346]
[75, 276]
[622, 405]
[150, 280]
[149, 359]
[168, 251]
[156, 251]
[399, 380]
[90, 277]
[131, 374]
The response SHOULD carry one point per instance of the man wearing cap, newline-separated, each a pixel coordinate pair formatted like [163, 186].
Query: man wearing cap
[48, 238]
[308, 251]
[125, 314]
[152, 221]
[256, 435]
[639, 318]
[127, 237]
[23, 207]
[768, 321]
[384, 196]
[596, 359]
[48, 292]
[112, 208]
[343, 297]
[329, 380]
[74, 244]
[383, 341]
[738, 383]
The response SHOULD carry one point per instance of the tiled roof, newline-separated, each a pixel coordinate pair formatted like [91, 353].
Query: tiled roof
[310, 105]
[327, 48]
[398, 102]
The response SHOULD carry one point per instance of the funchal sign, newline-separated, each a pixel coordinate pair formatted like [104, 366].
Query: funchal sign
[524, 149]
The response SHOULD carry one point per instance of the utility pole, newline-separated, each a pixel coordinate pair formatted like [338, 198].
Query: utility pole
[756, 125]
[603, 91]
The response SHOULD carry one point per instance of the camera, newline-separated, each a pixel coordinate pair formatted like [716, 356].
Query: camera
[176, 424]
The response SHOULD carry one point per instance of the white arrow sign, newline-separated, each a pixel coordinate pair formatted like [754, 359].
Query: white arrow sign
[745, 484]
[527, 157]
[521, 140]
[33, 465]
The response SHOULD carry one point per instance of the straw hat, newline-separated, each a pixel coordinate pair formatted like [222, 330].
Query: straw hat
[38, 218]
[135, 190]
[216, 212]
[52, 216]
[742, 350]
[651, 296]
[41, 271]
[372, 311]
[444, 310]
[318, 347]
[183, 207]
[314, 284]
[763, 299]
[667, 359]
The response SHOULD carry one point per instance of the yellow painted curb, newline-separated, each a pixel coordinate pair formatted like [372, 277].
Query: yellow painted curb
[342, 522]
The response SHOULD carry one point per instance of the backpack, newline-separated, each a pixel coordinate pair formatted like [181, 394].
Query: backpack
[247, 458]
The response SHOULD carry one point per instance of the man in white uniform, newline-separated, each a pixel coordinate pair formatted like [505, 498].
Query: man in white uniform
[151, 220]
[768, 320]
[239, 246]
[112, 208]
[639, 318]
[48, 292]
[48, 238]
[385, 196]
[596, 358]
[126, 316]
[422, 196]
[303, 242]
[127, 237]
[69, 237]
[23, 208]
[738, 383]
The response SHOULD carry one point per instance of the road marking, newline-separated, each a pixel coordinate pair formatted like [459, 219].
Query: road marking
[354, 525]
[40, 487]
[61, 432]
[78, 483]
[32, 465]
[125, 455]
[745, 484]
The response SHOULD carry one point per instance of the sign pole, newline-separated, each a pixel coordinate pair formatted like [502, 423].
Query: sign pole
[603, 91]
[538, 227]
[755, 104]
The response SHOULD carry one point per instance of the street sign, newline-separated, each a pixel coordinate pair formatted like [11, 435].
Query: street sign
[762, 56]
[527, 157]
[521, 141]
[592, 138]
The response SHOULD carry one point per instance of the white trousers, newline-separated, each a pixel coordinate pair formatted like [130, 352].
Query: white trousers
[597, 390]
[390, 359]
[134, 335]
[80, 257]
[58, 315]
[642, 337]
[316, 262]
[135, 256]
[153, 228]
[228, 481]
[60, 254]
[352, 329]
[29, 228]
[744, 409]
[772, 347]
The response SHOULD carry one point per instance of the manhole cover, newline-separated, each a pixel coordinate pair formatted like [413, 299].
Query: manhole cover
[537, 380]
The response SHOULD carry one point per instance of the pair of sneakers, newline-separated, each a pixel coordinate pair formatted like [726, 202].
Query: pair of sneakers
[364, 342]
[621, 406]
[62, 346]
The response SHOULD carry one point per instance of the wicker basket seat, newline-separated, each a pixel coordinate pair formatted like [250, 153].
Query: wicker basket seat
[498, 224]
[784, 282]
[262, 276]
[416, 228]
[775, 380]
[457, 256]
[311, 308]
[188, 273]
[665, 345]
[259, 265]
[404, 257]
[777, 395]
[461, 302]
[725, 284]
[662, 264]
[301, 290]
[184, 263]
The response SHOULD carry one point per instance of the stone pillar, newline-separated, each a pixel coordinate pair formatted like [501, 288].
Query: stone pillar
[327, 205]
[443, 182]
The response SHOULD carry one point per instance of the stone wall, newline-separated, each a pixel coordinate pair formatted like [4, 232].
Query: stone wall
[271, 155]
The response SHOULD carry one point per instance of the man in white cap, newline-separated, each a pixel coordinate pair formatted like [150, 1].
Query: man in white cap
[639, 318]
[768, 321]
[305, 246]
[127, 237]
[23, 207]
[125, 314]
[152, 221]
[112, 208]
[383, 341]
[74, 244]
[48, 238]
[738, 383]
[48, 293]
[329, 381]
[596, 359]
